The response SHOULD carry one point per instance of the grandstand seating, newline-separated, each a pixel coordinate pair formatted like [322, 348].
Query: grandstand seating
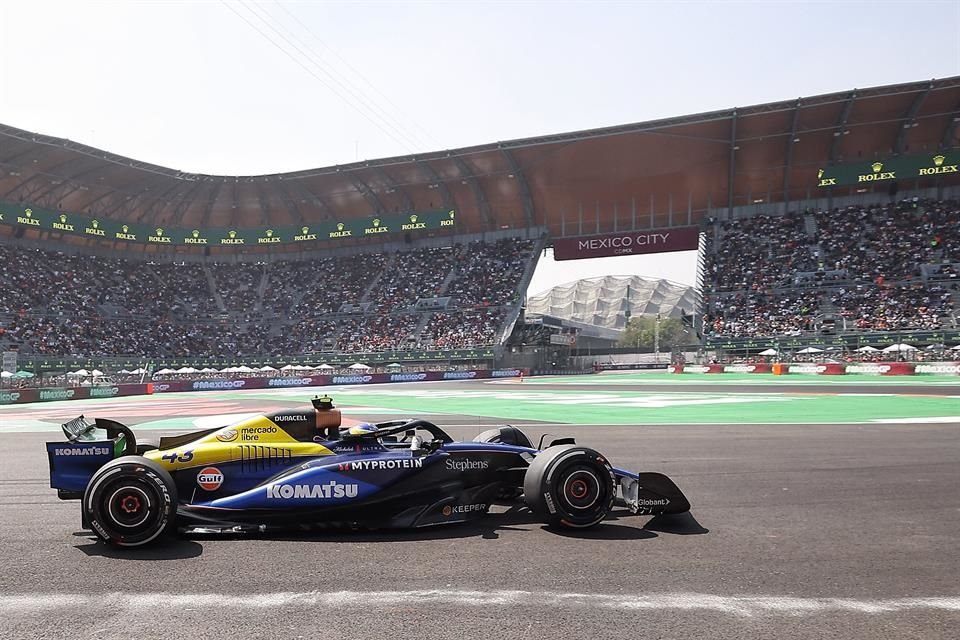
[59, 304]
[857, 268]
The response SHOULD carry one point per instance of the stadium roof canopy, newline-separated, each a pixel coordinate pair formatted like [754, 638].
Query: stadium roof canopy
[659, 173]
[603, 301]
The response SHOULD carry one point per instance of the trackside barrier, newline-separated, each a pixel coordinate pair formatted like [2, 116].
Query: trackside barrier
[748, 368]
[937, 368]
[882, 368]
[823, 369]
[216, 384]
[23, 396]
[696, 368]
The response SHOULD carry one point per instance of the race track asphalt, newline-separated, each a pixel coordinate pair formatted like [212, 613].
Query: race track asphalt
[797, 531]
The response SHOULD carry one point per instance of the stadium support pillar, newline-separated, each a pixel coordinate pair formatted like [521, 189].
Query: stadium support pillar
[652, 220]
[788, 166]
[732, 173]
[580, 219]
[596, 213]
[633, 214]
[614, 217]
[670, 209]
[689, 208]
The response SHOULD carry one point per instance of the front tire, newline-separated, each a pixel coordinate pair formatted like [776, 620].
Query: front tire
[130, 502]
[570, 487]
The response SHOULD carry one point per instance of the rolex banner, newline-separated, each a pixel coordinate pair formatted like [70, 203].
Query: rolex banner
[904, 168]
[74, 224]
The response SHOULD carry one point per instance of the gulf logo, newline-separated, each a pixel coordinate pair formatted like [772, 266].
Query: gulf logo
[209, 479]
[228, 435]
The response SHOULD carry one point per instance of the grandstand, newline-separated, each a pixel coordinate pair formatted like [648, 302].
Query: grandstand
[832, 217]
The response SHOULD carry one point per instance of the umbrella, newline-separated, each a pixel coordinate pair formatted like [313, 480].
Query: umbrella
[769, 352]
[138, 371]
[867, 349]
[228, 370]
[899, 347]
[79, 372]
[810, 350]
[163, 372]
[290, 367]
[208, 370]
[23, 374]
[186, 370]
[266, 368]
[956, 348]
[394, 365]
[243, 369]
[96, 372]
[934, 347]
[125, 372]
[357, 365]
[6, 374]
[301, 367]
[325, 366]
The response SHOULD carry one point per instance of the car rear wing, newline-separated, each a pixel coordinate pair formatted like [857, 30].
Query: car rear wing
[73, 463]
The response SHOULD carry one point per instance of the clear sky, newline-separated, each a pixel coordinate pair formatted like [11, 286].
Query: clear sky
[244, 87]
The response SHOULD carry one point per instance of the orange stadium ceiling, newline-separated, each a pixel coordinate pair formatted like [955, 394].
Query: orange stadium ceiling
[651, 174]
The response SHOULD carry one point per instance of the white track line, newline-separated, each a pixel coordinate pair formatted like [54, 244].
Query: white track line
[746, 606]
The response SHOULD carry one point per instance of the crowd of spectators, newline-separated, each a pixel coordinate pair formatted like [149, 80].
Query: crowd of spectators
[880, 267]
[59, 304]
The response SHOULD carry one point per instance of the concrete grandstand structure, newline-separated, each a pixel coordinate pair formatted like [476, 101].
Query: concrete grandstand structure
[408, 243]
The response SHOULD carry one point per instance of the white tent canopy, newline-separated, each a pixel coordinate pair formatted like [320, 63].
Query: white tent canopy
[164, 372]
[289, 367]
[186, 370]
[266, 367]
[208, 370]
[139, 371]
[125, 372]
[243, 369]
[96, 372]
[303, 367]
[325, 366]
[867, 349]
[956, 348]
[6, 374]
[358, 366]
[78, 372]
[810, 350]
[769, 352]
[899, 347]
[394, 365]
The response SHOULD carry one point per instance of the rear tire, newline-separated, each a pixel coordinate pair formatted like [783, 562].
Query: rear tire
[570, 487]
[130, 502]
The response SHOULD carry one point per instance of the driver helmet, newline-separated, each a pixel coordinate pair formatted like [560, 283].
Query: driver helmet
[363, 429]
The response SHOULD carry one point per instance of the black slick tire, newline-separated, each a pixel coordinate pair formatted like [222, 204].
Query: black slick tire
[570, 486]
[130, 502]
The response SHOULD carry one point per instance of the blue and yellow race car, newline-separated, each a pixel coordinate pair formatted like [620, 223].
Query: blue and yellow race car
[299, 468]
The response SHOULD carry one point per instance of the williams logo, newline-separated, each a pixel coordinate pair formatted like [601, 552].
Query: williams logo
[63, 225]
[449, 221]
[413, 225]
[268, 237]
[341, 231]
[158, 236]
[125, 234]
[324, 491]
[376, 228]
[94, 229]
[878, 174]
[27, 218]
[195, 238]
[305, 235]
[231, 238]
[938, 167]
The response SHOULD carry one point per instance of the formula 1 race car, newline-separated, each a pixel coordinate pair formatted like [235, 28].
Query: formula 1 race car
[298, 468]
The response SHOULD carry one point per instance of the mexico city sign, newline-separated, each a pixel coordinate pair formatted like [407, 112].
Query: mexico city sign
[627, 243]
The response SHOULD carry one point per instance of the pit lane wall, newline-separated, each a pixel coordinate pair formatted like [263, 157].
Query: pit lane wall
[24, 396]
[827, 368]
